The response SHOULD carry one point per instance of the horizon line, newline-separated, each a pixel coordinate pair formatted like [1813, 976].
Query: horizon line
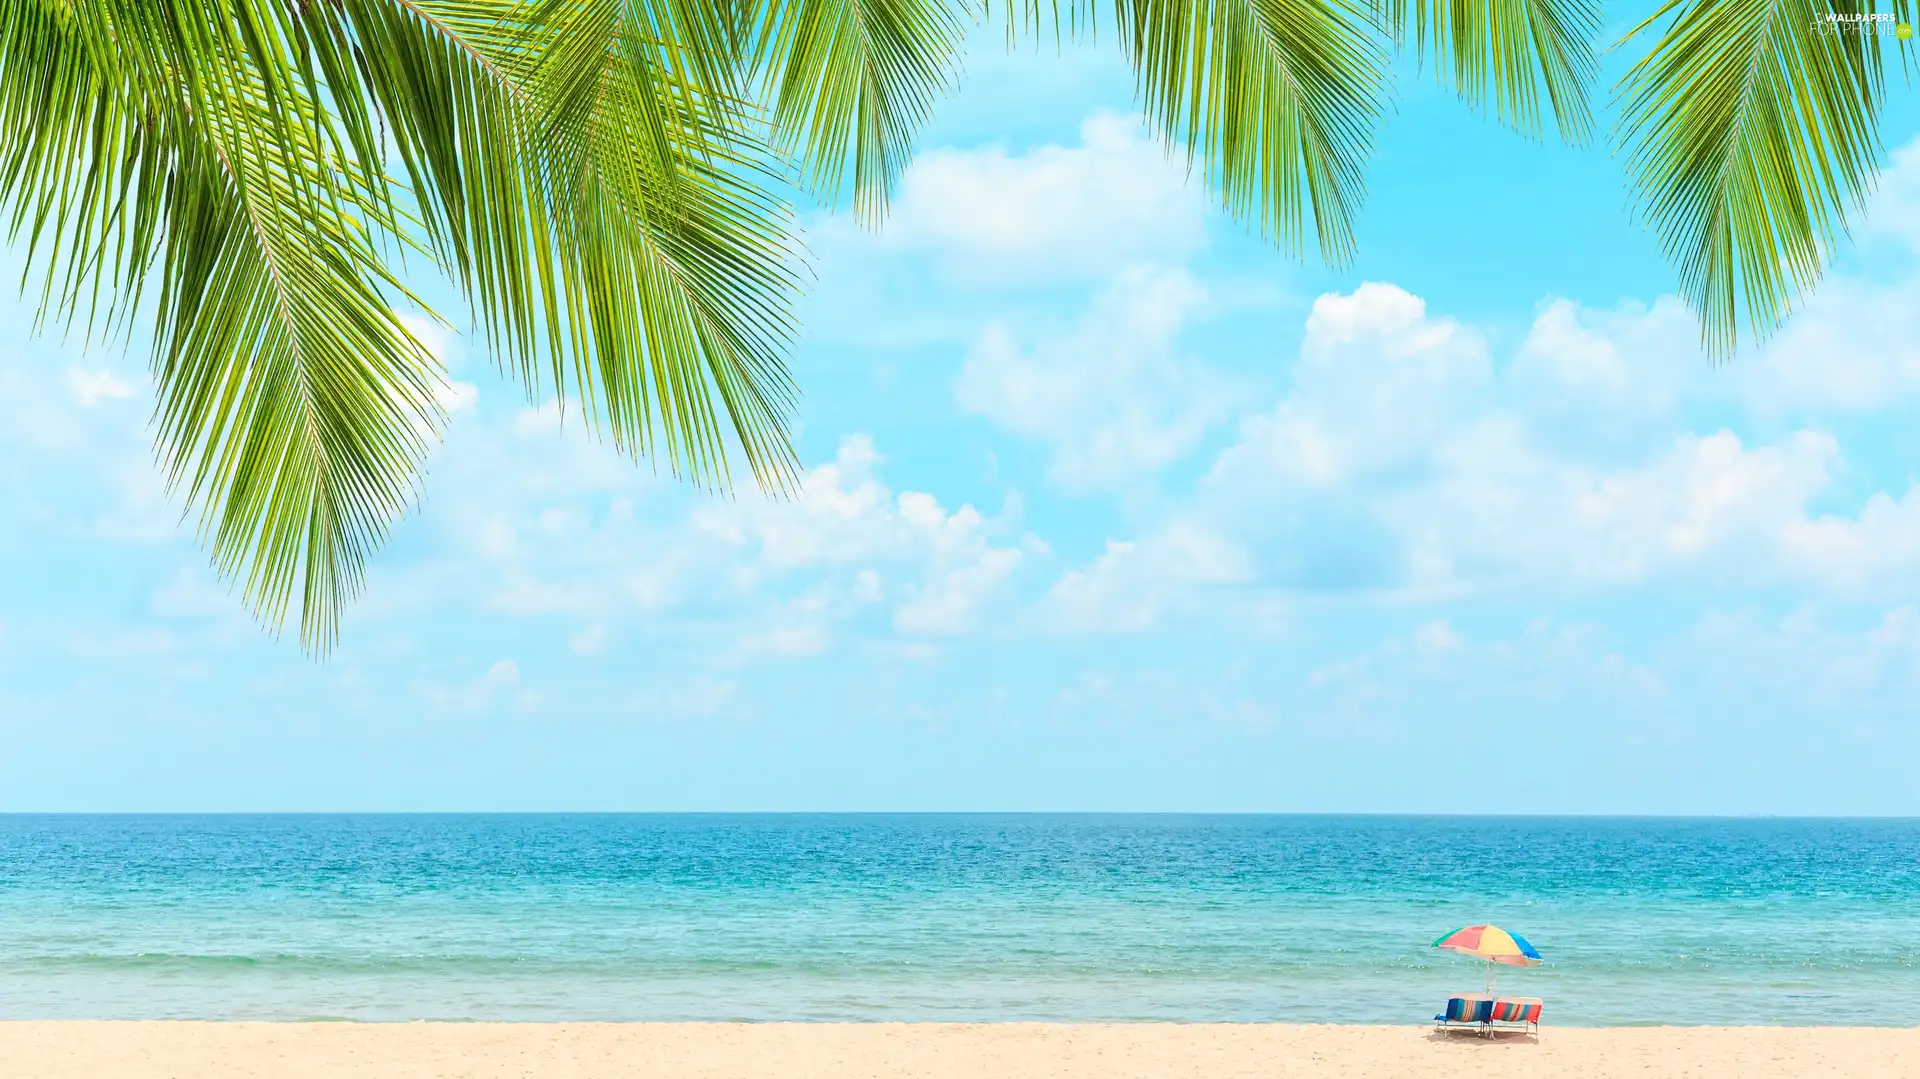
[1379, 814]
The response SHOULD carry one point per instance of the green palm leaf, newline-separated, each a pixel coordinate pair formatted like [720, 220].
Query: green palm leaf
[856, 77]
[1751, 137]
[680, 264]
[581, 168]
[587, 170]
[1509, 51]
[602, 178]
[1278, 98]
[293, 407]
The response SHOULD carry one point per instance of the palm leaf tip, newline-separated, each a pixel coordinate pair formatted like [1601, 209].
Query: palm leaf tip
[1278, 99]
[1750, 140]
[1509, 53]
[206, 152]
[852, 82]
[676, 267]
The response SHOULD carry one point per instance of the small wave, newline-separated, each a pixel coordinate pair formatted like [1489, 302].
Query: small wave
[272, 962]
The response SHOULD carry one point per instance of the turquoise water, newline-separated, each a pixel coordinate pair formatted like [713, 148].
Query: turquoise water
[951, 917]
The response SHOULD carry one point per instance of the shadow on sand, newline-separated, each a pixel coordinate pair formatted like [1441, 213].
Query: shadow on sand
[1471, 1036]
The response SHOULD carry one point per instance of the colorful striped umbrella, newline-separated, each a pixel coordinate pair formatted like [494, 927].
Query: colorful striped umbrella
[1493, 944]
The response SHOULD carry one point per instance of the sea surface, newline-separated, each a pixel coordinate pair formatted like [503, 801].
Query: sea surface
[951, 917]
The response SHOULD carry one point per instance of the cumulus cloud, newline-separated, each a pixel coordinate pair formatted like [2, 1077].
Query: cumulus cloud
[1376, 383]
[781, 577]
[940, 567]
[1132, 584]
[1501, 507]
[1056, 210]
[950, 599]
[1853, 348]
[1112, 396]
[1609, 377]
[1405, 460]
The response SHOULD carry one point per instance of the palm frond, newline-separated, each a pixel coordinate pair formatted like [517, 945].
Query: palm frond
[293, 407]
[681, 265]
[1279, 98]
[1508, 51]
[1751, 136]
[591, 175]
[582, 167]
[859, 78]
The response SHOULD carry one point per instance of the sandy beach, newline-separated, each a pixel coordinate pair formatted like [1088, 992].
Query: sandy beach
[180, 1050]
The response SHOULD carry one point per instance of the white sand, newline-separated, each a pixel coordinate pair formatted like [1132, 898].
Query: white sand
[156, 1050]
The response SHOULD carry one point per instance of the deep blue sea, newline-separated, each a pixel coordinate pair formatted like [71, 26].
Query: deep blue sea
[823, 917]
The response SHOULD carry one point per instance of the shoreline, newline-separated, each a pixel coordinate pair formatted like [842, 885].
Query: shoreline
[203, 1049]
[859, 1024]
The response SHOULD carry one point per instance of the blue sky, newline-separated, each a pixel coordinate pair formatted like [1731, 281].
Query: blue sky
[1110, 507]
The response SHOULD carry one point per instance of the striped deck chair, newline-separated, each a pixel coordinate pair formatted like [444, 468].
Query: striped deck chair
[1466, 1010]
[1518, 1011]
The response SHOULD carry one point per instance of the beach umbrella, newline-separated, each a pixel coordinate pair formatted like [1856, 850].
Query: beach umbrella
[1492, 944]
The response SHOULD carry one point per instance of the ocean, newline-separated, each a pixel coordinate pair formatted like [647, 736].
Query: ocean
[951, 917]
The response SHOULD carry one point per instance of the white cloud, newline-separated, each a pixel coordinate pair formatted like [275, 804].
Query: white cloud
[456, 396]
[1584, 369]
[943, 566]
[1132, 584]
[1853, 348]
[845, 556]
[92, 387]
[1893, 213]
[500, 684]
[36, 413]
[786, 642]
[1056, 210]
[1859, 555]
[1809, 655]
[1403, 461]
[438, 338]
[706, 697]
[1376, 384]
[1501, 507]
[829, 523]
[84, 468]
[1112, 396]
[951, 598]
